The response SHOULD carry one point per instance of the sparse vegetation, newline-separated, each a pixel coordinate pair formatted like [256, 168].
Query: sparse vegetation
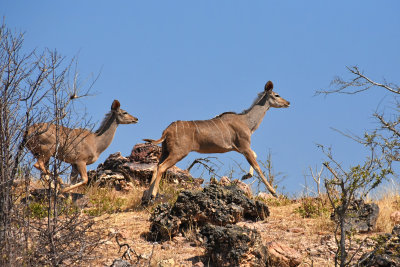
[36, 87]
[281, 200]
[357, 181]
[106, 200]
[55, 231]
[314, 207]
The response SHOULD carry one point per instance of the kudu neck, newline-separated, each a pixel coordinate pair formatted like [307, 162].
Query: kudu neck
[106, 132]
[255, 115]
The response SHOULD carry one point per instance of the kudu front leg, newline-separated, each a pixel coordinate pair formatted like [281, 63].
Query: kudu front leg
[251, 170]
[249, 154]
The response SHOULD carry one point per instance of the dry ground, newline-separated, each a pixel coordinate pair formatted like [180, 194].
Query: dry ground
[311, 237]
[121, 215]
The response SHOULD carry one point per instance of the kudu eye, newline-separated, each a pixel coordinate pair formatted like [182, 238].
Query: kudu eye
[277, 96]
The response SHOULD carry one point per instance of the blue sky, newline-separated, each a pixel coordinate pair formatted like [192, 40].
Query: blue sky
[187, 60]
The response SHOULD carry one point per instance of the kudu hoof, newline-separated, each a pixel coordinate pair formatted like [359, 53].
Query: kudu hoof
[147, 201]
[246, 176]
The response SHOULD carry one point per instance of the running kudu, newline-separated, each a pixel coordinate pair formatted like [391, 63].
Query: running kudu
[226, 132]
[79, 147]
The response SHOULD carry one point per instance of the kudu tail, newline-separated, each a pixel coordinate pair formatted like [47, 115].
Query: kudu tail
[155, 142]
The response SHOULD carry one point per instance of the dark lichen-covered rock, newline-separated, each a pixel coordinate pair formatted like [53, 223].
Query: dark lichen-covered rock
[120, 263]
[164, 226]
[361, 217]
[385, 253]
[233, 245]
[145, 153]
[137, 169]
[218, 205]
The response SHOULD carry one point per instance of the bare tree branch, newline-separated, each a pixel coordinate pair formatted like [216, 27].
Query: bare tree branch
[359, 83]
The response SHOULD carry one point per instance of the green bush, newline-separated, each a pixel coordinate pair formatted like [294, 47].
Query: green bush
[38, 210]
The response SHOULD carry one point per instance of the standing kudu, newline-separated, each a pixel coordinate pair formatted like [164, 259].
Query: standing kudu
[226, 132]
[79, 147]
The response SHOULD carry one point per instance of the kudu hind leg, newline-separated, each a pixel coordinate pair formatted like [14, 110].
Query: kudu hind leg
[74, 174]
[147, 194]
[162, 167]
[249, 154]
[81, 167]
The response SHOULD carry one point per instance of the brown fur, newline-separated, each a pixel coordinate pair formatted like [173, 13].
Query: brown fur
[79, 147]
[226, 132]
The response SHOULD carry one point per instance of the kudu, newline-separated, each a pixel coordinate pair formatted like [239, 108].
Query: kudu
[79, 147]
[226, 132]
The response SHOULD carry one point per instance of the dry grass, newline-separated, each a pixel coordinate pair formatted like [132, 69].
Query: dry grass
[120, 212]
[388, 202]
[104, 200]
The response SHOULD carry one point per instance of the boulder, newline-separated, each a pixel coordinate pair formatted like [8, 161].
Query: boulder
[120, 263]
[224, 181]
[137, 169]
[386, 251]
[232, 245]
[282, 255]
[145, 153]
[395, 217]
[361, 217]
[215, 204]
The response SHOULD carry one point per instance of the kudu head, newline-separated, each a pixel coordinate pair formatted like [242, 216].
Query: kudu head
[272, 98]
[121, 115]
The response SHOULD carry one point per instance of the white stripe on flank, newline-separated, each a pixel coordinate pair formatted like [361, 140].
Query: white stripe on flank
[223, 123]
[197, 128]
[192, 134]
[222, 134]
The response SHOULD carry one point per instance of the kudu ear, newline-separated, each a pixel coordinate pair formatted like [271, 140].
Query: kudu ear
[268, 86]
[115, 105]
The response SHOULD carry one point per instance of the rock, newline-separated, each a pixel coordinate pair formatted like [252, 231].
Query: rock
[41, 195]
[219, 205]
[395, 217]
[224, 181]
[396, 230]
[386, 251]
[198, 264]
[137, 169]
[265, 196]
[313, 252]
[296, 230]
[141, 172]
[233, 245]
[145, 153]
[361, 217]
[245, 187]
[282, 255]
[120, 263]
[166, 263]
